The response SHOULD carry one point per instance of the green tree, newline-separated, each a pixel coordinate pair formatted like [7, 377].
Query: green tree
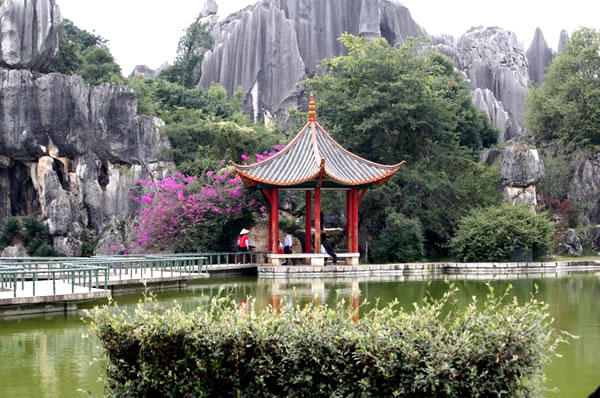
[81, 37]
[99, 66]
[404, 102]
[400, 240]
[71, 42]
[11, 231]
[190, 51]
[493, 233]
[566, 106]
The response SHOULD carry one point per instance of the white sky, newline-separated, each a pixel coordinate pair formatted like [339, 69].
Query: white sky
[147, 31]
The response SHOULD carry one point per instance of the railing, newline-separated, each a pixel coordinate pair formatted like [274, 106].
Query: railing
[93, 272]
[226, 258]
[11, 278]
[98, 272]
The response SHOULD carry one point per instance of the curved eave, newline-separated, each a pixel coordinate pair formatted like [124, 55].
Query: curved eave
[375, 179]
[251, 180]
[315, 175]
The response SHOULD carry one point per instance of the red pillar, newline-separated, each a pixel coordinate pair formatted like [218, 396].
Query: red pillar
[274, 221]
[354, 220]
[317, 220]
[349, 221]
[307, 222]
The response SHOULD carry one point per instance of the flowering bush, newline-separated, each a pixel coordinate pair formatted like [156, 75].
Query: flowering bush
[183, 214]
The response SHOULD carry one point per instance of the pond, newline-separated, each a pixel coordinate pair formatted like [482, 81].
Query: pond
[46, 356]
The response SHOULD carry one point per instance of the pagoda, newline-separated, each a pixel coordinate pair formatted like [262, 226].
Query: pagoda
[313, 161]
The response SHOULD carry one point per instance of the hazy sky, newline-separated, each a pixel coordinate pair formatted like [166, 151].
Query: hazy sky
[147, 31]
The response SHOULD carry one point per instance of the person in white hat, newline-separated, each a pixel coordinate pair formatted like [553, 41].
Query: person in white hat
[243, 245]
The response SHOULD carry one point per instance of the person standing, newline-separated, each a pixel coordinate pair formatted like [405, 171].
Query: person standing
[287, 248]
[328, 247]
[243, 245]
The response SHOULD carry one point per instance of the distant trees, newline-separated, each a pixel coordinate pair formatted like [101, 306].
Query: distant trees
[566, 106]
[190, 52]
[85, 54]
[389, 104]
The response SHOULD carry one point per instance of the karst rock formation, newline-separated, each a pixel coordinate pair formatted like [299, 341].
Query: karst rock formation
[70, 153]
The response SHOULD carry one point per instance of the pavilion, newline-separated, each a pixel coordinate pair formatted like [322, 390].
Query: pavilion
[314, 161]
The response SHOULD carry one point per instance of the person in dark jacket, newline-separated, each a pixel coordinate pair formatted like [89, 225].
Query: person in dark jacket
[326, 243]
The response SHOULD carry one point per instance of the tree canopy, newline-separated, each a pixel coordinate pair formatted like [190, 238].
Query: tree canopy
[85, 54]
[566, 106]
[190, 52]
[405, 102]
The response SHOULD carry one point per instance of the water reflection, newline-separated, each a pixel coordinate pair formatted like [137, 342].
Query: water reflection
[46, 356]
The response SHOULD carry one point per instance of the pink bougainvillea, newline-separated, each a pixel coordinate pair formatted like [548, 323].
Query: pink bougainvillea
[176, 205]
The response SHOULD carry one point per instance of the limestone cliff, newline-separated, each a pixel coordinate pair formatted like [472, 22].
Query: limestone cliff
[71, 153]
[539, 57]
[29, 33]
[269, 47]
[562, 41]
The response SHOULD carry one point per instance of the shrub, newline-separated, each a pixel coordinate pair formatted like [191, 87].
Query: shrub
[493, 233]
[400, 240]
[182, 214]
[36, 237]
[44, 250]
[494, 349]
[11, 231]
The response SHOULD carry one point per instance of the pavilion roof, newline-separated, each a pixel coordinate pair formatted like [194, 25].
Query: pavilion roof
[314, 158]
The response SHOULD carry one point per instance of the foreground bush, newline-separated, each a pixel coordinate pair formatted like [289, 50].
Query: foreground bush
[493, 233]
[221, 350]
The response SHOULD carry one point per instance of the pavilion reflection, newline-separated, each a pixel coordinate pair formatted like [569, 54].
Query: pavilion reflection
[315, 292]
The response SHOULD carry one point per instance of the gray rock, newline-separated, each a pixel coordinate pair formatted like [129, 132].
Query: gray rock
[521, 166]
[492, 58]
[58, 111]
[585, 185]
[14, 251]
[485, 101]
[143, 70]
[539, 57]
[562, 40]
[114, 239]
[571, 244]
[29, 34]
[68, 246]
[269, 47]
[525, 196]
[72, 153]
[258, 52]
[592, 237]
[210, 7]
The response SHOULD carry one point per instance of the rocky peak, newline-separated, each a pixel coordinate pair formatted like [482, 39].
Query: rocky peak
[562, 40]
[539, 57]
[210, 7]
[71, 153]
[143, 70]
[492, 58]
[29, 34]
[269, 47]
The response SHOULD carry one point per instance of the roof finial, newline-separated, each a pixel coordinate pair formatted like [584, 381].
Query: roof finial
[312, 114]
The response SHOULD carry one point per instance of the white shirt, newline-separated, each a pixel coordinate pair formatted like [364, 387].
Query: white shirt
[288, 240]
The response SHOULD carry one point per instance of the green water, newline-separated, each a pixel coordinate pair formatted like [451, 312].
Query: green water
[46, 356]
